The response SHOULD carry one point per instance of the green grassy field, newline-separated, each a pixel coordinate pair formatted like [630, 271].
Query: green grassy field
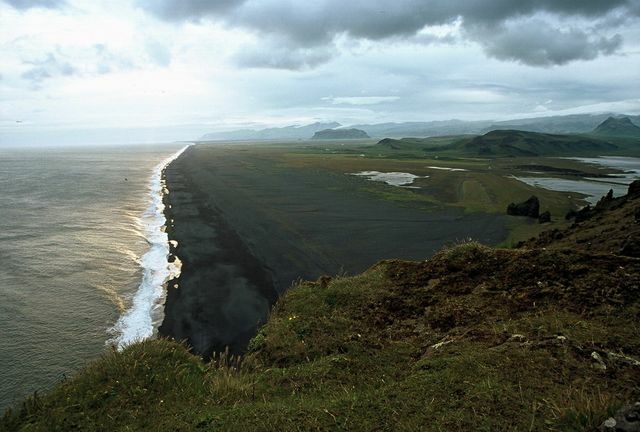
[486, 186]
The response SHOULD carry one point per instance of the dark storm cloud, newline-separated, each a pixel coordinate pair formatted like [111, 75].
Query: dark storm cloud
[28, 4]
[537, 43]
[317, 23]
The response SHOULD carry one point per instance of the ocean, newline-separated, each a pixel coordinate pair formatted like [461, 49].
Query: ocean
[83, 258]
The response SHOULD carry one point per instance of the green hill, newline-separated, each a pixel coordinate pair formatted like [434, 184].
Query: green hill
[474, 338]
[416, 147]
[506, 143]
[520, 143]
[618, 127]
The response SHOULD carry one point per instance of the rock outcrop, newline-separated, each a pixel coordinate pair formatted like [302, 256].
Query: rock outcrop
[626, 419]
[544, 217]
[607, 202]
[611, 226]
[530, 208]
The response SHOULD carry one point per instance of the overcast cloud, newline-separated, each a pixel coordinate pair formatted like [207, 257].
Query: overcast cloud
[193, 66]
[494, 24]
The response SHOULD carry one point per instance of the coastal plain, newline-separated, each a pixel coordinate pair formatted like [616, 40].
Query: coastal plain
[251, 219]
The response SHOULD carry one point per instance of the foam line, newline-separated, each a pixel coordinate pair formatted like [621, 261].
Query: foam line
[144, 315]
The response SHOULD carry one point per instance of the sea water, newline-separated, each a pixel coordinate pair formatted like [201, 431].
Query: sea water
[84, 258]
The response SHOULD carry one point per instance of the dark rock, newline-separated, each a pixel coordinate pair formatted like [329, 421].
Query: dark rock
[626, 419]
[609, 195]
[634, 189]
[584, 213]
[631, 247]
[544, 217]
[324, 281]
[571, 215]
[530, 208]
[636, 215]
[605, 200]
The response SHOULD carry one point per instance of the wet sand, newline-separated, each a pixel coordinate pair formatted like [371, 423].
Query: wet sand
[248, 227]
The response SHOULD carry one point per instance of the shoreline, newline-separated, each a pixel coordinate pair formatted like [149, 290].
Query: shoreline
[141, 320]
[223, 293]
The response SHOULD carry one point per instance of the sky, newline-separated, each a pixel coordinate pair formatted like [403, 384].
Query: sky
[83, 71]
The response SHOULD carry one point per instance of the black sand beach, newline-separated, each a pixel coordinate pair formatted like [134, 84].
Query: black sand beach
[248, 226]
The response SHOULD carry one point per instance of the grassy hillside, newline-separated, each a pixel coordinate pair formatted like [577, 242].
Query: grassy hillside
[474, 338]
[507, 143]
[415, 147]
[519, 143]
[611, 226]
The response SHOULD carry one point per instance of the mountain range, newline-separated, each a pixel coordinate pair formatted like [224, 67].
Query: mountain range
[569, 124]
[287, 133]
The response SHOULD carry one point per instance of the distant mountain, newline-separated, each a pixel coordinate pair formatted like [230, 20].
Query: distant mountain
[423, 129]
[328, 134]
[569, 124]
[286, 133]
[619, 127]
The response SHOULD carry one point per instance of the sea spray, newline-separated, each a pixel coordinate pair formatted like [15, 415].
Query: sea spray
[145, 313]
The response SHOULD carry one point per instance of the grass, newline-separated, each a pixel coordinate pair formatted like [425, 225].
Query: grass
[485, 186]
[473, 339]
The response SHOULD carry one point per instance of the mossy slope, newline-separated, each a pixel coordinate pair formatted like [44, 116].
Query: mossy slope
[507, 143]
